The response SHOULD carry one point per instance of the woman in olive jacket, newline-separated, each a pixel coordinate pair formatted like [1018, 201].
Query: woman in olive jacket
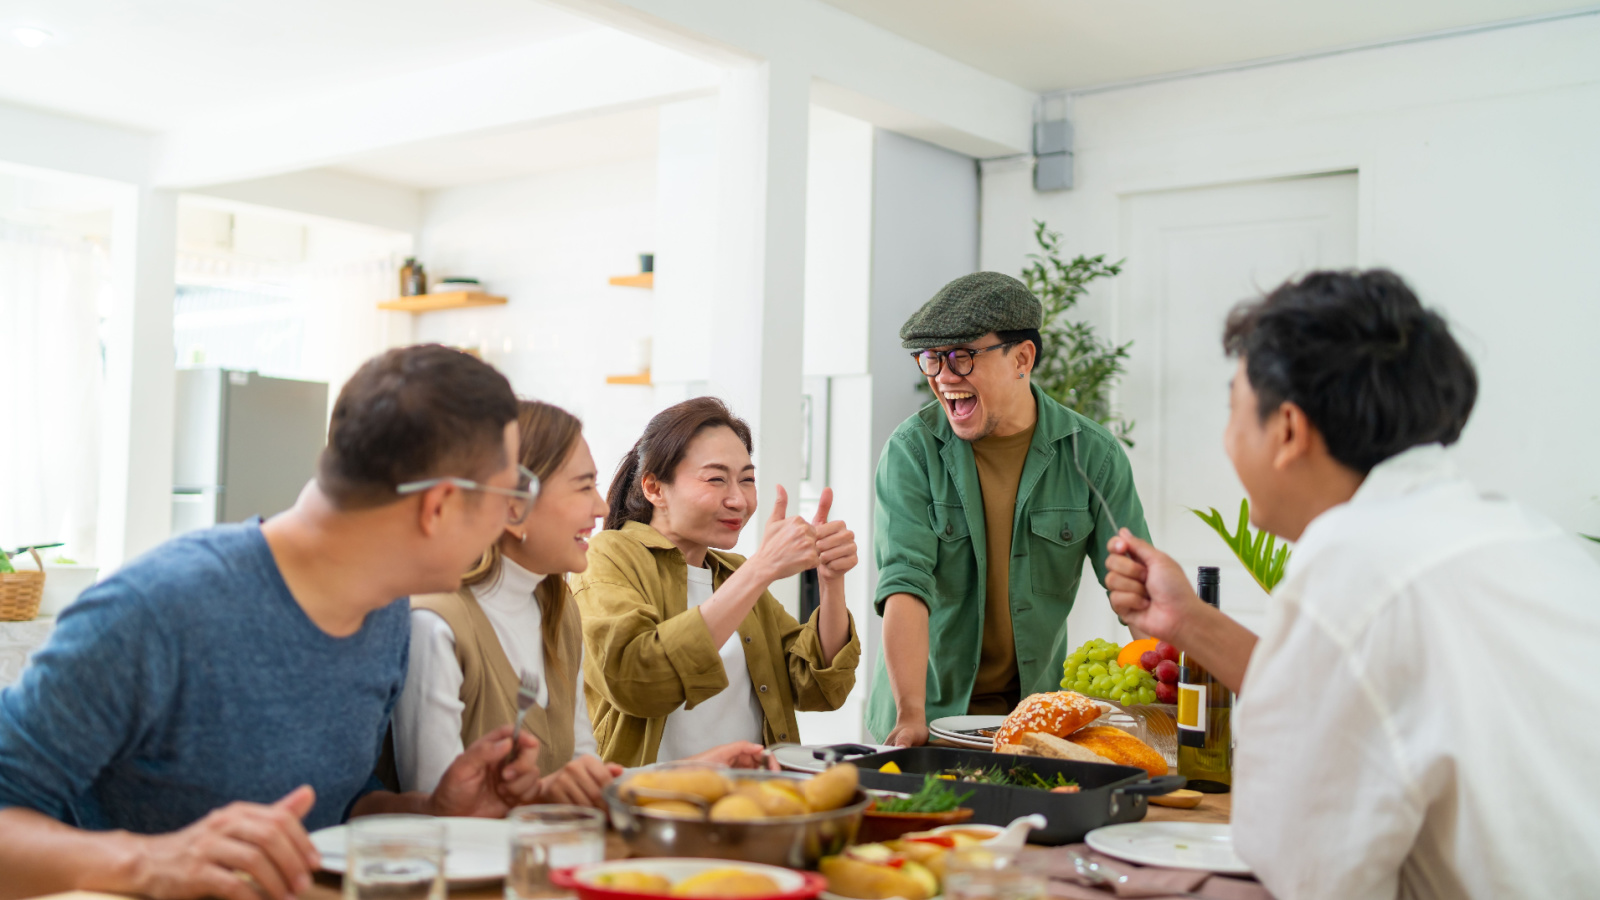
[685, 648]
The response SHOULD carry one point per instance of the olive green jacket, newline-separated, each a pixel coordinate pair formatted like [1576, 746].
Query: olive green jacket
[929, 541]
[646, 653]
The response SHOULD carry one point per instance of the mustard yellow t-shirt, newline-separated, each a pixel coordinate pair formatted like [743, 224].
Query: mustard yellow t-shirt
[998, 688]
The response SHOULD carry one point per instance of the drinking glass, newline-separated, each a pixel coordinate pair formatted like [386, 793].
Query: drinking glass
[551, 837]
[984, 873]
[394, 858]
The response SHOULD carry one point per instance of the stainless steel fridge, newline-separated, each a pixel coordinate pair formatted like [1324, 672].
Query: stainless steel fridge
[245, 445]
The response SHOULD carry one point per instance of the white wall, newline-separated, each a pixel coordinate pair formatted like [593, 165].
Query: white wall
[1477, 183]
[549, 243]
[924, 234]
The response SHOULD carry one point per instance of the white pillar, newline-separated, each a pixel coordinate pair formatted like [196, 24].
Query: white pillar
[137, 405]
[759, 306]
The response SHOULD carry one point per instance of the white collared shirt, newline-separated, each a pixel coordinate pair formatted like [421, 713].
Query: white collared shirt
[427, 718]
[1419, 718]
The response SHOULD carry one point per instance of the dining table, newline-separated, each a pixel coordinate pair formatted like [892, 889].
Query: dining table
[1213, 808]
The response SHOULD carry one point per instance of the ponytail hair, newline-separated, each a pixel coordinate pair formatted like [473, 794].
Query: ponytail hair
[660, 450]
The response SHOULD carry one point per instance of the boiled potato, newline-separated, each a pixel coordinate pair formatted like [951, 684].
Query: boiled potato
[724, 884]
[780, 797]
[852, 878]
[674, 809]
[832, 789]
[635, 881]
[737, 808]
[707, 783]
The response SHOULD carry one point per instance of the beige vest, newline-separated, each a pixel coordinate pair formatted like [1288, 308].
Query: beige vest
[489, 683]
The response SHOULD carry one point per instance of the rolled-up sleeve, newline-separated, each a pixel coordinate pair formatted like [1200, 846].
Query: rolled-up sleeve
[645, 665]
[903, 544]
[819, 683]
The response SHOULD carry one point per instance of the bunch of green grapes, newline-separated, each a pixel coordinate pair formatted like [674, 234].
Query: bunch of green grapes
[1092, 670]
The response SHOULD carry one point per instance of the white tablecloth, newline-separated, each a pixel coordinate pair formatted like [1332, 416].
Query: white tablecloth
[18, 640]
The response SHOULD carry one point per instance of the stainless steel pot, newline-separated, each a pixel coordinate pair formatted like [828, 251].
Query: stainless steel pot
[793, 841]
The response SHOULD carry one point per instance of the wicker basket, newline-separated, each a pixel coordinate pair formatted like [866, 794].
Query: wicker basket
[20, 593]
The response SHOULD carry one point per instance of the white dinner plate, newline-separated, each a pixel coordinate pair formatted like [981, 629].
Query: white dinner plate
[1174, 845]
[950, 728]
[476, 850]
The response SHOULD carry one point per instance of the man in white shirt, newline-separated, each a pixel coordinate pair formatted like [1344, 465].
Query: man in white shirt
[1418, 715]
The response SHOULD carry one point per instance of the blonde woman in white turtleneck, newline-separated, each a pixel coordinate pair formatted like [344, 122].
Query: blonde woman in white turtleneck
[513, 624]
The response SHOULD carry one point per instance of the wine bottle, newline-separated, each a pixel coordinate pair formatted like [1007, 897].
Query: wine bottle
[1205, 710]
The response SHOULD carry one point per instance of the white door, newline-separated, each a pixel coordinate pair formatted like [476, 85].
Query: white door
[1192, 255]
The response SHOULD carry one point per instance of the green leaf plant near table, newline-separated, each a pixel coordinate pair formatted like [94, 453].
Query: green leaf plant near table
[1260, 552]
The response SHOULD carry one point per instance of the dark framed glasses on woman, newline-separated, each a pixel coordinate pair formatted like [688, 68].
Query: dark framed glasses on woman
[521, 497]
[961, 360]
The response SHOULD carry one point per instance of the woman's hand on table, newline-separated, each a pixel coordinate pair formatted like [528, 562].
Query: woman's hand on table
[739, 755]
[481, 783]
[266, 842]
[579, 782]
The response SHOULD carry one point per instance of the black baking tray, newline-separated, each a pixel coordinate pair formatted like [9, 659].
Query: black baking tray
[1107, 795]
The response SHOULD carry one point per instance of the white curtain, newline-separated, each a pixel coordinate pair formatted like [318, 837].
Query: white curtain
[50, 379]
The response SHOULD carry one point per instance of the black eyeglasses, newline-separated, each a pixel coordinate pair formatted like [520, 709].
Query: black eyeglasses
[521, 498]
[931, 362]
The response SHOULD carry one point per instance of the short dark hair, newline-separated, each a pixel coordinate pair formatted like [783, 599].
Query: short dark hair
[1025, 334]
[1375, 371]
[660, 450]
[414, 413]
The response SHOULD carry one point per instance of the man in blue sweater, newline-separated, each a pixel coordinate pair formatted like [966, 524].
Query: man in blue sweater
[193, 715]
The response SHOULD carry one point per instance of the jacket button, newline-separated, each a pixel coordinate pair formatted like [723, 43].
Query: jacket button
[763, 689]
[747, 639]
[784, 736]
[1066, 534]
[949, 530]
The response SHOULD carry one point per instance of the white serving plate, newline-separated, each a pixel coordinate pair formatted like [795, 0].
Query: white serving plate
[476, 850]
[1173, 845]
[798, 758]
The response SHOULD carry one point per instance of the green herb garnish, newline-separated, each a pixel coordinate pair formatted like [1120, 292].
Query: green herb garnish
[934, 797]
[1018, 776]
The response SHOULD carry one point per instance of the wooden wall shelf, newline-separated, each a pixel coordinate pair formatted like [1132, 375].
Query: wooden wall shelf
[646, 281]
[641, 378]
[422, 303]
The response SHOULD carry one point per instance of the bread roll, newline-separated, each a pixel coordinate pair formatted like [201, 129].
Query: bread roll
[1121, 748]
[1059, 713]
[1052, 747]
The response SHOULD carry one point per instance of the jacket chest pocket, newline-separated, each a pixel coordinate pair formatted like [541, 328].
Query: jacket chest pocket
[949, 524]
[1057, 543]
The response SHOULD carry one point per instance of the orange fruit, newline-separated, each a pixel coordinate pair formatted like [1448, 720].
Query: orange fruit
[1130, 653]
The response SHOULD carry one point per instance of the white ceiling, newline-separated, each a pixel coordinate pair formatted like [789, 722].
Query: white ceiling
[158, 64]
[470, 159]
[1048, 45]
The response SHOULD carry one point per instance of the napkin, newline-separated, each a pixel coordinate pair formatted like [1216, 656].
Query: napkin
[1143, 881]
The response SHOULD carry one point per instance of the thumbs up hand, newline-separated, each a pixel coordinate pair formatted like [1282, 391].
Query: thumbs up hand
[836, 544]
[789, 545]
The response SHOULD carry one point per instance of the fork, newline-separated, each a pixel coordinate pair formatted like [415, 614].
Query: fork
[1101, 876]
[526, 700]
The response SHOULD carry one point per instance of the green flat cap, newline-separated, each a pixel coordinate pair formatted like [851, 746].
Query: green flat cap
[969, 308]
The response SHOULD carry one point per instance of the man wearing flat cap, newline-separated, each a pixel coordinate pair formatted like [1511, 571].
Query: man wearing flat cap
[988, 502]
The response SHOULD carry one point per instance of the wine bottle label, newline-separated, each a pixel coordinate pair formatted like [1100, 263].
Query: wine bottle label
[1192, 718]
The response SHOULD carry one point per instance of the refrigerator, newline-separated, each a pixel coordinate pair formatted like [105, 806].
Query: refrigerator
[245, 445]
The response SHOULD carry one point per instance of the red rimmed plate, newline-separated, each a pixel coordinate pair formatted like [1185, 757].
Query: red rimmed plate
[792, 885]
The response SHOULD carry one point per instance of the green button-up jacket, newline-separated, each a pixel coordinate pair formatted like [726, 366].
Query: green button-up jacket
[929, 541]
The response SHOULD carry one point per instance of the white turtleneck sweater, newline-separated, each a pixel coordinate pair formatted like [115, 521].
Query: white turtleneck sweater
[427, 719]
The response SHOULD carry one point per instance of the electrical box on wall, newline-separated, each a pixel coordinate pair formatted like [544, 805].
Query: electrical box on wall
[1052, 152]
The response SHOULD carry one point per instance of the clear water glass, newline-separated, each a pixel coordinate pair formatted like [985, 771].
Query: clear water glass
[544, 838]
[983, 873]
[394, 858]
